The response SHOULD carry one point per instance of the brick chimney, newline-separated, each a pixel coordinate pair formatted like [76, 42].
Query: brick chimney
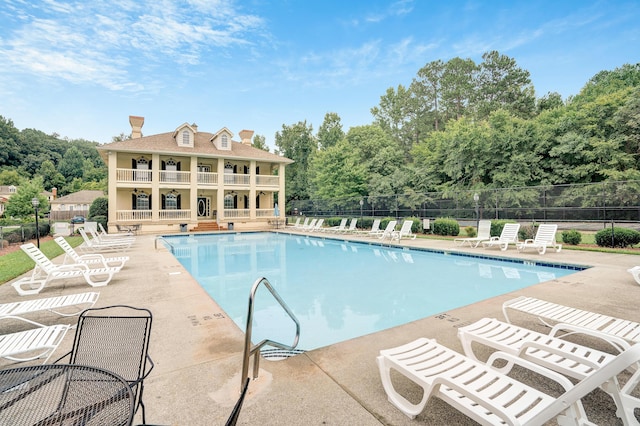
[245, 136]
[136, 126]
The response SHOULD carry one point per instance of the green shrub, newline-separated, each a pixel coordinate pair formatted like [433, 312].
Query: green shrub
[470, 231]
[417, 227]
[99, 207]
[446, 226]
[497, 225]
[527, 232]
[572, 237]
[100, 219]
[622, 237]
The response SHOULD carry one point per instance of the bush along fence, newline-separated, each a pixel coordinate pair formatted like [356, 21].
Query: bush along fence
[22, 233]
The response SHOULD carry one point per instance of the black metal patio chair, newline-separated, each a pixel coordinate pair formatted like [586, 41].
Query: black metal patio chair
[115, 338]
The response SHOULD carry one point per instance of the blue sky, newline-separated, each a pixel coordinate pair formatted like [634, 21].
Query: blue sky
[79, 68]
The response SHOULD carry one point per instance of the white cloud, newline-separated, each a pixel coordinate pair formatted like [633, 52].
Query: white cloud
[107, 42]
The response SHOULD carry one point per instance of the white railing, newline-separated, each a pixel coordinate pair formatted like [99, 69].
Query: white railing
[174, 177]
[265, 180]
[207, 178]
[236, 213]
[265, 213]
[175, 214]
[132, 175]
[236, 179]
[133, 215]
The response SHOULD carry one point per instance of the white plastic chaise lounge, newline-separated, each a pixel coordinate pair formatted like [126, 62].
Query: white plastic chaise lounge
[635, 272]
[509, 235]
[339, 228]
[103, 232]
[110, 238]
[315, 226]
[308, 226]
[484, 234]
[297, 223]
[567, 358]
[485, 394]
[93, 246]
[58, 305]
[573, 320]
[545, 237]
[31, 344]
[404, 232]
[91, 259]
[387, 232]
[352, 226]
[375, 229]
[46, 271]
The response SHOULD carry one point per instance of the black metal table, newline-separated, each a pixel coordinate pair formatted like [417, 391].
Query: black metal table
[63, 394]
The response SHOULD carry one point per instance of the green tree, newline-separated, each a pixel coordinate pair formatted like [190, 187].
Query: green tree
[396, 115]
[427, 89]
[51, 178]
[297, 143]
[260, 142]
[458, 86]
[501, 84]
[9, 144]
[20, 205]
[72, 163]
[337, 173]
[330, 131]
[10, 177]
[99, 207]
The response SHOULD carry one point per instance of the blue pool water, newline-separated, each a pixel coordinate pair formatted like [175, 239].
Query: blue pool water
[340, 290]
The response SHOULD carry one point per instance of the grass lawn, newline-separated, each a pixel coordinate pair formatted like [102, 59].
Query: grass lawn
[17, 262]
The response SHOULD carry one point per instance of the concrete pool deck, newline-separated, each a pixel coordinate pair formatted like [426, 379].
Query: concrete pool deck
[197, 349]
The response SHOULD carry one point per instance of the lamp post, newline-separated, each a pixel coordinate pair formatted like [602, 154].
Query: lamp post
[476, 197]
[361, 204]
[35, 203]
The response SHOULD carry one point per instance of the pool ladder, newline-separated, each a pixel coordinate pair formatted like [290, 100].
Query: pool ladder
[255, 350]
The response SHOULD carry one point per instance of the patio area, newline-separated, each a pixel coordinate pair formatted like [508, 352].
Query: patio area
[197, 349]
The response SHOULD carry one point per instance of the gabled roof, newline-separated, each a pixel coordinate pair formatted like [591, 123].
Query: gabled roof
[81, 197]
[164, 143]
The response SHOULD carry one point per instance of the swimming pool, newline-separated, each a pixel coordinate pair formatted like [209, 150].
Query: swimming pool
[339, 290]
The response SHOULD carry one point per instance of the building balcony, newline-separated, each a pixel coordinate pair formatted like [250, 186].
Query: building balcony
[133, 215]
[142, 177]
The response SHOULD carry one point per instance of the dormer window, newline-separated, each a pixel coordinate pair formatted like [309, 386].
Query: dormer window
[224, 141]
[185, 137]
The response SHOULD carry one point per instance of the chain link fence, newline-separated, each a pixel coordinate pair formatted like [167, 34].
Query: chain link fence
[584, 203]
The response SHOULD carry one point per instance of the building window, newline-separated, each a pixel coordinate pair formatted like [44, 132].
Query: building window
[185, 137]
[224, 142]
[142, 202]
[229, 201]
[171, 202]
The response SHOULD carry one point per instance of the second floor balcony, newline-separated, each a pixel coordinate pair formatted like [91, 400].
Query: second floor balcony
[136, 176]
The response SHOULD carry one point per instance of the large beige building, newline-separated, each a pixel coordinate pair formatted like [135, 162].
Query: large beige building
[188, 179]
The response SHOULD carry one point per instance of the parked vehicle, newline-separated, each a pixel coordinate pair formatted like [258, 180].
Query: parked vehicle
[77, 219]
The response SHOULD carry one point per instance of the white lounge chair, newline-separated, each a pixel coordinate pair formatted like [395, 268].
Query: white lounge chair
[635, 272]
[339, 228]
[484, 233]
[91, 259]
[295, 225]
[545, 237]
[572, 319]
[46, 271]
[110, 238]
[375, 228]
[388, 231]
[486, 395]
[95, 246]
[352, 226]
[567, 358]
[299, 225]
[315, 226]
[103, 232]
[58, 305]
[509, 235]
[309, 225]
[28, 345]
[405, 231]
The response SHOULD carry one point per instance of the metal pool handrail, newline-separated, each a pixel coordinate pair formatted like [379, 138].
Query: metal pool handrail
[247, 336]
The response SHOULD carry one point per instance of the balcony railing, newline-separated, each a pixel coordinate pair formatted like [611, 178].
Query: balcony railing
[235, 179]
[266, 180]
[265, 213]
[174, 177]
[236, 213]
[207, 178]
[175, 214]
[132, 175]
[133, 215]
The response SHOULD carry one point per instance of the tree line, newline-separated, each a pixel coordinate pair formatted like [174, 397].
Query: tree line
[465, 126]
